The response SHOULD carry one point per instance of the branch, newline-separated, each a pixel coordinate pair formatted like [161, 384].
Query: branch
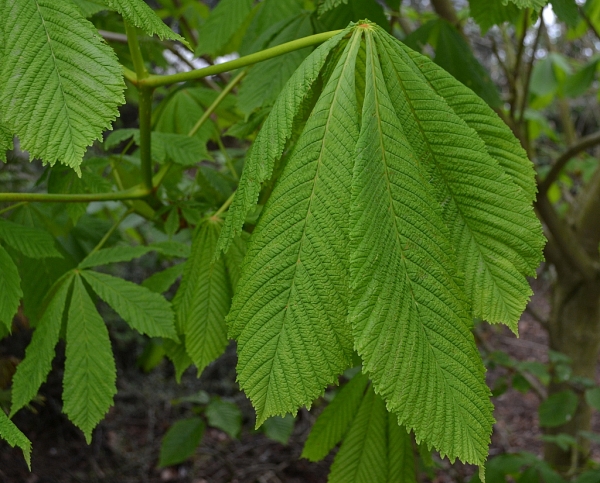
[162, 80]
[581, 145]
[135, 193]
[529, 71]
[445, 9]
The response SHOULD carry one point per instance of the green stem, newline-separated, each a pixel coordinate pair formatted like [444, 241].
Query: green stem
[137, 192]
[111, 231]
[145, 114]
[136, 53]
[228, 88]
[12, 207]
[158, 80]
[225, 205]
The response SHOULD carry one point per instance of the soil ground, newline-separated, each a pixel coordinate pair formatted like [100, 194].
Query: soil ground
[125, 446]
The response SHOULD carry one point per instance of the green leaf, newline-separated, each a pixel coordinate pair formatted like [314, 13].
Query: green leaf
[223, 22]
[10, 289]
[36, 365]
[333, 423]
[172, 249]
[566, 11]
[558, 409]
[592, 397]
[113, 255]
[355, 11]
[327, 5]
[160, 282]
[181, 441]
[145, 311]
[203, 298]
[578, 83]
[14, 437]
[289, 313]
[494, 250]
[90, 372]
[224, 415]
[61, 87]
[279, 428]
[265, 80]
[272, 139]
[180, 358]
[138, 13]
[90, 7]
[534, 4]
[31, 242]
[488, 13]
[6, 141]
[407, 308]
[235, 256]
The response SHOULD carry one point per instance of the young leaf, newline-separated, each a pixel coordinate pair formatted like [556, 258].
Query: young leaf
[145, 311]
[494, 251]
[113, 255]
[334, 421]
[272, 139]
[160, 282]
[138, 13]
[56, 98]
[203, 298]
[31, 242]
[34, 369]
[10, 289]
[224, 21]
[289, 314]
[90, 372]
[181, 441]
[11, 434]
[407, 309]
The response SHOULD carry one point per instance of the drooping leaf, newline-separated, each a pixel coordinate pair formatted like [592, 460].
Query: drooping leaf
[34, 369]
[535, 4]
[160, 282]
[178, 355]
[235, 256]
[279, 428]
[138, 13]
[333, 423]
[266, 79]
[407, 308]
[203, 298]
[354, 11]
[494, 251]
[61, 87]
[181, 441]
[488, 13]
[90, 372]
[224, 415]
[223, 22]
[91, 7]
[14, 437]
[289, 313]
[327, 5]
[31, 242]
[114, 255]
[6, 141]
[578, 83]
[10, 289]
[145, 311]
[566, 11]
[272, 139]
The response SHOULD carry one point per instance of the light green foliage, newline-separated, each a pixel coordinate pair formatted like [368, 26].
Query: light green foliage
[181, 441]
[31, 242]
[292, 296]
[333, 423]
[6, 141]
[355, 11]
[90, 372]
[265, 80]
[145, 311]
[224, 415]
[203, 298]
[488, 13]
[10, 289]
[327, 5]
[223, 23]
[138, 13]
[90, 7]
[34, 369]
[234, 257]
[160, 282]
[113, 255]
[272, 139]
[14, 437]
[61, 87]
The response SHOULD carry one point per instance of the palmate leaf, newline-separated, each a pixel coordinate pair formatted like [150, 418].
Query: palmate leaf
[114, 255]
[407, 310]
[11, 434]
[222, 24]
[289, 314]
[10, 289]
[203, 298]
[272, 139]
[145, 311]
[138, 13]
[31, 242]
[34, 369]
[61, 82]
[90, 372]
[6, 141]
[327, 5]
[493, 228]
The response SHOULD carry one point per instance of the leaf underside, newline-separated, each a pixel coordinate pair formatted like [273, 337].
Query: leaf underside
[61, 82]
[403, 211]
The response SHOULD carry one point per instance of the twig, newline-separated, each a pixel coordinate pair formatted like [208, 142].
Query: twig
[530, 70]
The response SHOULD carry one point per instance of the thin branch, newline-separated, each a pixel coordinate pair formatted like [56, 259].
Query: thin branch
[225, 205]
[12, 207]
[529, 72]
[162, 80]
[109, 233]
[135, 193]
[581, 145]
